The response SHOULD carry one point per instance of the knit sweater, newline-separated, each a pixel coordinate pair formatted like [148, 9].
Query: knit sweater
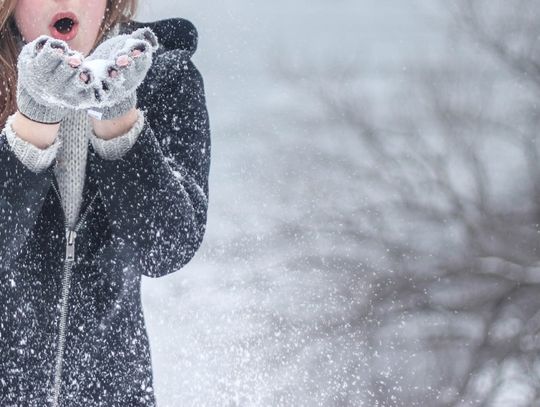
[70, 149]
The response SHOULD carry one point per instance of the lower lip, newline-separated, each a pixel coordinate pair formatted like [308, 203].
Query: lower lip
[65, 37]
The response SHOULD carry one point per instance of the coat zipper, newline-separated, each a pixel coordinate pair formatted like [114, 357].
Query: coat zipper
[69, 260]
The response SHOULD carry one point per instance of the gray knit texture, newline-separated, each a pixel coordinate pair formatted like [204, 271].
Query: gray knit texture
[48, 86]
[118, 94]
[117, 110]
[28, 106]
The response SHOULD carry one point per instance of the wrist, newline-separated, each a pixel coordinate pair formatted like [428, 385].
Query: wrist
[108, 129]
[39, 134]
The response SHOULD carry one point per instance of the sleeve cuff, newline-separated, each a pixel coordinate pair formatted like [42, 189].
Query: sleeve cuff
[117, 147]
[34, 158]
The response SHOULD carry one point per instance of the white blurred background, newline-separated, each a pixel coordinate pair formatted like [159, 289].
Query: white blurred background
[364, 244]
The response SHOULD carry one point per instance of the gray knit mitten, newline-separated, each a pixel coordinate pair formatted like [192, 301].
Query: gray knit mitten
[51, 80]
[121, 64]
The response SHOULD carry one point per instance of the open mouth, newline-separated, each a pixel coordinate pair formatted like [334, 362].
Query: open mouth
[64, 26]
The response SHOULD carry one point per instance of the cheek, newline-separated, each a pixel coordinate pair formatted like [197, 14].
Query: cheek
[94, 12]
[30, 18]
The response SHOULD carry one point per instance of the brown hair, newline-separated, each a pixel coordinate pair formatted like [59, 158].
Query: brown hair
[117, 11]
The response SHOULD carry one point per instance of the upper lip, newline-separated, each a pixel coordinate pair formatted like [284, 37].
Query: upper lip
[63, 14]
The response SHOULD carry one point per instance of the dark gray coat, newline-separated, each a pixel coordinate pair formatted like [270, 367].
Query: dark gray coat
[144, 214]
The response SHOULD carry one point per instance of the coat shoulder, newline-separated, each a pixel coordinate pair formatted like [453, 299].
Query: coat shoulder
[173, 33]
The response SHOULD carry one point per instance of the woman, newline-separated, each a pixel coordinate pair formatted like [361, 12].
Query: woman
[105, 156]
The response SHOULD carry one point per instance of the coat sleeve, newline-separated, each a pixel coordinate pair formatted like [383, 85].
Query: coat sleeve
[22, 194]
[156, 195]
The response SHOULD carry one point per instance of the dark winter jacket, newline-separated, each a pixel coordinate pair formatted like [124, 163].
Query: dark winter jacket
[143, 214]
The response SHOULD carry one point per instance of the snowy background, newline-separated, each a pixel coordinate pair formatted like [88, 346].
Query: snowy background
[365, 246]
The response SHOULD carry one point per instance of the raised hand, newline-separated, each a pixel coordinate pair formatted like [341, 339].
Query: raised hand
[119, 65]
[52, 80]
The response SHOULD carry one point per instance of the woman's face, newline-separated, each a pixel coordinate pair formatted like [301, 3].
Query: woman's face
[75, 21]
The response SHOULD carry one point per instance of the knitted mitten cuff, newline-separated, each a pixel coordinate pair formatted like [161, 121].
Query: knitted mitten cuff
[117, 110]
[34, 158]
[116, 148]
[36, 112]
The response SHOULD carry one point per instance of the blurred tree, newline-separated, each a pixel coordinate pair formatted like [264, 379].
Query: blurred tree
[435, 203]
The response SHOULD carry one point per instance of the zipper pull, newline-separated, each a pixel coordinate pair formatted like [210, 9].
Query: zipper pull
[70, 245]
